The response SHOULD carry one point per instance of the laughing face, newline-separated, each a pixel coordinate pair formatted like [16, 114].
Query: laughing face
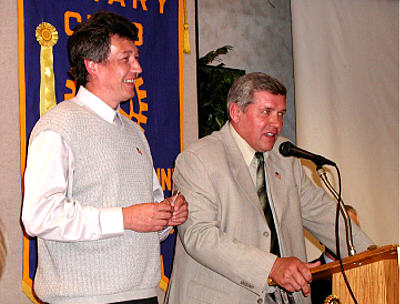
[261, 122]
[113, 80]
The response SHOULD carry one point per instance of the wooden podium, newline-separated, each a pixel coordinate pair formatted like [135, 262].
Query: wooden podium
[373, 276]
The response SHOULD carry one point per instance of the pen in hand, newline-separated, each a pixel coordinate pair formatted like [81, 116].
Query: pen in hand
[176, 196]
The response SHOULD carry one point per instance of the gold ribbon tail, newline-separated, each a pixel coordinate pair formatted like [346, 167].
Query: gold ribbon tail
[47, 82]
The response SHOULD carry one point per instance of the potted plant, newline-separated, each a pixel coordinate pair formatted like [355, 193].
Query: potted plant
[213, 83]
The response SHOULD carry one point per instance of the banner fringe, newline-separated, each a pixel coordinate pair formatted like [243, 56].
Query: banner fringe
[186, 44]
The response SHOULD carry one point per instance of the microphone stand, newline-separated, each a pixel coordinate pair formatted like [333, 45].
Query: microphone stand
[349, 234]
[349, 231]
[285, 149]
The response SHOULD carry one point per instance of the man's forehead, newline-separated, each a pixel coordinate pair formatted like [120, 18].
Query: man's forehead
[269, 93]
[123, 44]
[266, 97]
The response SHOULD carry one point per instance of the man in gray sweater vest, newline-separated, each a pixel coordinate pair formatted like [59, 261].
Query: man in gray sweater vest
[91, 194]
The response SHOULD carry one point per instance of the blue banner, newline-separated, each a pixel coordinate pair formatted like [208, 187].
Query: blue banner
[157, 104]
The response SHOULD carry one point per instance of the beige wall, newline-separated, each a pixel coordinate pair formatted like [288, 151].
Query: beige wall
[10, 189]
[190, 87]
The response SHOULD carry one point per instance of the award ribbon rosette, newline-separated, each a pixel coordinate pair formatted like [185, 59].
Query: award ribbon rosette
[47, 37]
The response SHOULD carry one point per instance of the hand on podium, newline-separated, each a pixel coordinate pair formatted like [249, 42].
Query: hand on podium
[292, 274]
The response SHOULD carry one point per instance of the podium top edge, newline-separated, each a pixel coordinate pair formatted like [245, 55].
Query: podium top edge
[388, 252]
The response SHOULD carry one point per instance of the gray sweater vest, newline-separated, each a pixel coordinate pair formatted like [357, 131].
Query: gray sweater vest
[112, 167]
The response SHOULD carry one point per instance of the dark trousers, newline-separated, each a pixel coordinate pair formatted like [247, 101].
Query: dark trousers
[140, 301]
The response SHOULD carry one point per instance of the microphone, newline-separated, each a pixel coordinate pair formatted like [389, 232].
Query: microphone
[288, 149]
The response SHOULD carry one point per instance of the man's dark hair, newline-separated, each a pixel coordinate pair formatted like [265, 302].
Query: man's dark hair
[92, 38]
[243, 89]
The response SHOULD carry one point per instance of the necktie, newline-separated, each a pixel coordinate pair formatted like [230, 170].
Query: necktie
[262, 195]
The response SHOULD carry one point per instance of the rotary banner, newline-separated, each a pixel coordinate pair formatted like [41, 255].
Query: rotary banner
[44, 28]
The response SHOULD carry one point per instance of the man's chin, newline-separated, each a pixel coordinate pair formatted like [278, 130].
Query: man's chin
[268, 146]
[129, 97]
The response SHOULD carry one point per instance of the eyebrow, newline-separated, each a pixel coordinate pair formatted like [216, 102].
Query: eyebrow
[137, 53]
[273, 109]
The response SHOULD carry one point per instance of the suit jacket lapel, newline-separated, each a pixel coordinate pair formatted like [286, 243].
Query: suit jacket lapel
[239, 169]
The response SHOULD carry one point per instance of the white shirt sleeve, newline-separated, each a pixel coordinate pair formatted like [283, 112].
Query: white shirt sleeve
[158, 195]
[47, 210]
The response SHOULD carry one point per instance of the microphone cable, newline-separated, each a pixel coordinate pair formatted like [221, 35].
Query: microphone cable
[339, 200]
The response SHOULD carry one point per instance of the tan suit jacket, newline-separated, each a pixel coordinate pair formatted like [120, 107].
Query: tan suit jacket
[225, 255]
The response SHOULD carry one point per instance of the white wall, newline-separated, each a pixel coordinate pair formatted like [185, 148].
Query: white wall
[346, 76]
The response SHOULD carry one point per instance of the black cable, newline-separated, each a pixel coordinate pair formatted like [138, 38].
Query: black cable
[339, 199]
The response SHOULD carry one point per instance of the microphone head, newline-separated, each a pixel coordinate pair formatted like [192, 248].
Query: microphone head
[285, 148]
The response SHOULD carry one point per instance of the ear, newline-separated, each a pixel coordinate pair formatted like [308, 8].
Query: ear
[90, 66]
[235, 112]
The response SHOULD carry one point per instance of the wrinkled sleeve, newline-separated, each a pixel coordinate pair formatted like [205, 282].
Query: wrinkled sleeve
[49, 211]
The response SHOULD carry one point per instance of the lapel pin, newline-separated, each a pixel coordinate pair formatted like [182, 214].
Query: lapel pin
[278, 175]
[138, 150]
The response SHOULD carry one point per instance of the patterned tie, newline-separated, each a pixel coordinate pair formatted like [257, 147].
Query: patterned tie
[262, 195]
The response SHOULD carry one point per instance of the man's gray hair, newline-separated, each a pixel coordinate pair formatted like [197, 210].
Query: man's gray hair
[243, 89]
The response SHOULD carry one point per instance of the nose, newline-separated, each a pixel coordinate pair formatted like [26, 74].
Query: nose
[136, 67]
[276, 120]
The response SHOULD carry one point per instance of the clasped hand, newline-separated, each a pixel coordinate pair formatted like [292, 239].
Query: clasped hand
[151, 217]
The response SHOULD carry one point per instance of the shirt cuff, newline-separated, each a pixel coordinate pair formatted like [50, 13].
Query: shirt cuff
[163, 234]
[111, 222]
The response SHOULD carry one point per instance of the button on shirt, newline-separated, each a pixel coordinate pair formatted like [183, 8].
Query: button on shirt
[47, 211]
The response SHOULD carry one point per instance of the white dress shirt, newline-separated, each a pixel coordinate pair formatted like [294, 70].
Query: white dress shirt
[248, 154]
[48, 211]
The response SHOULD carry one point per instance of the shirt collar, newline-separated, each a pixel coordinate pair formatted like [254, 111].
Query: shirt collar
[244, 147]
[87, 99]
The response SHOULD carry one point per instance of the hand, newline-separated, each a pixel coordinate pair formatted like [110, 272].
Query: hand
[292, 274]
[147, 217]
[180, 213]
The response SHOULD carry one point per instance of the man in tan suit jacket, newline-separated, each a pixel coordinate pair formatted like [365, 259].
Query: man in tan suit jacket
[223, 255]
